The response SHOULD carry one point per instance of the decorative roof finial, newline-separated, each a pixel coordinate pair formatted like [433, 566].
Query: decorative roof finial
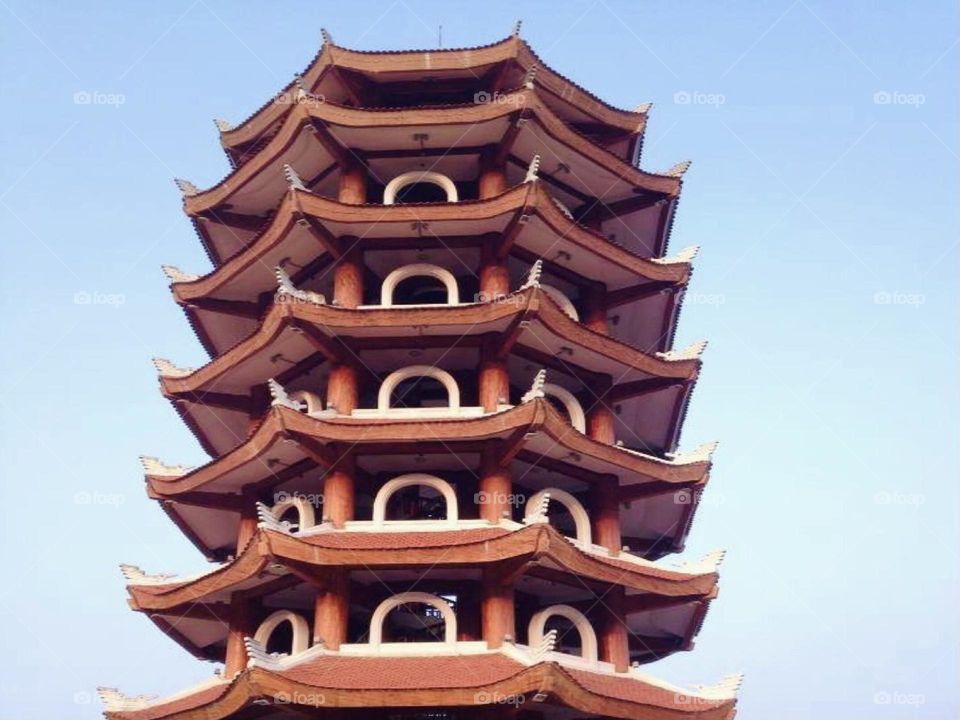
[176, 275]
[533, 169]
[222, 125]
[726, 689]
[285, 287]
[282, 399]
[548, 644]
[691, 352]
[135, 576]
[533, 277]
[115, 701]
[536, 389]
[269, 521]
[643, 108]
[293, 179]
[684, 256]
[709, 563]
[530, 77]
[169, 370]
[156, 468]
[516, 28]
[186, 187]
[327, 37]
[538, 514]
[677, 170]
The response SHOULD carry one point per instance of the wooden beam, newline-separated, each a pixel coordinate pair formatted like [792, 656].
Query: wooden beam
[238, 308]
[327, 240]
[615, 298]
[625, 391]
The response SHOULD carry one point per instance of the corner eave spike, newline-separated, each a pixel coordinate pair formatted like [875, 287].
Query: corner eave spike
[536, 389]
[516, 28]
[187, 188]
[327, 37]
[643, 108]
[677, 170]
[533, 169]
[684, 256]
[222, 125]
[530, 77]
[691, 352]
[293, 179]
[176, 275]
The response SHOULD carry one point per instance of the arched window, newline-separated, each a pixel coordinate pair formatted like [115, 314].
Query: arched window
[566, 398]
[388, 294]
[415, 371]
[445, 490]
[395, 186]
[588, 638]
[299, 507]
[310, 399]
[562, 300]
[291, 638]
[438, 609]
[581, 519]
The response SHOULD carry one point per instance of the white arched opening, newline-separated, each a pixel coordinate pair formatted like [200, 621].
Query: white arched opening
[577, 417]
[299, 630]
[588, 638]
[391, 603]
[581, 519]
[310, 399]
[306, 517]
[419, 270]
[562, 300]
[397, 377]
[403, 481]
[417, 176]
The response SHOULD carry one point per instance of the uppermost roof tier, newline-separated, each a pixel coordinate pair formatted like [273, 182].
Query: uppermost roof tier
[440, 76]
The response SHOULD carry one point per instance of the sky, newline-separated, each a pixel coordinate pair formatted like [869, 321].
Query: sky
[823, 193]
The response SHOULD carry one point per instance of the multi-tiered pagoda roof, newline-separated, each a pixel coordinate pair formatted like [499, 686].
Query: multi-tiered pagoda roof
[442, 406]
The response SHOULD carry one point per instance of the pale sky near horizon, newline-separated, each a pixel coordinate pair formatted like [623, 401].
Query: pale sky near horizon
[823, 194]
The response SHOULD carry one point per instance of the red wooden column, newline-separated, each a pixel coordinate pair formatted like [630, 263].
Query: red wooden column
[339, 491]
[614, 634]
[495, 487]
[241, 626]
[331, 612]
[595, 315]
[352, 188]
[248, 519]
[498, 614]
[605, 497]
[492, 178]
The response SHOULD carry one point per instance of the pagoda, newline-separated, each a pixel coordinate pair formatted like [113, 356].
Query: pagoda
[442, 407]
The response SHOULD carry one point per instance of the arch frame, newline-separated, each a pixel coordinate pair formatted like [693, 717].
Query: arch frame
[391, 603]
[307, 517]
[406, 272]
[390, 487]
[300, 630]
[417, 176]
[588, 636]
[411, 371]
[574, 409]
[313, 401]
[581, 518]
[561, 299]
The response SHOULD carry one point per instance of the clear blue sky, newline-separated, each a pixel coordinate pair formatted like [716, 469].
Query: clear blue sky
[826, 285]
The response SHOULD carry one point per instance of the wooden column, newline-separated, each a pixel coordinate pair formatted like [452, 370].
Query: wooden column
[614, 636]
[241, 626]
[498, 610]
[595, 315]
[495, 487]
[248, 519]
[605, 515]
[601, 422]
[493, 381]
[348, 276]
[331, 613]
[343, 388]
[468, 613]
[339, 491]
[492, 178]
[353, 183]
[493, 275]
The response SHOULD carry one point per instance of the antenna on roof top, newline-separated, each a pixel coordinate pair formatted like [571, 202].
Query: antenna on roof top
[440, 36]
